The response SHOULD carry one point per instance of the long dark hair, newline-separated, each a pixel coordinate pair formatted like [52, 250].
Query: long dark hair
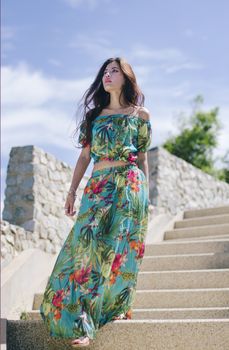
[95, 99]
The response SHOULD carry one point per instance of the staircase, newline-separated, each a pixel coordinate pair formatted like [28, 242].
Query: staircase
[182, 297]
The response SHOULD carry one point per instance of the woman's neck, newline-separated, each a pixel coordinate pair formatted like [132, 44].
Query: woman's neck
[120, 110]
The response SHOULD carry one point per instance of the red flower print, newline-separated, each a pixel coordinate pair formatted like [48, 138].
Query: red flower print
[58, 297]
[117, 262]
[139, 247]
[135, 187]
[141, 250]
[132, 176]
[134, 245]
[87, 189]
[112, 278]
[81, 276]
[132, 158]
[97, 187]
[57, 314]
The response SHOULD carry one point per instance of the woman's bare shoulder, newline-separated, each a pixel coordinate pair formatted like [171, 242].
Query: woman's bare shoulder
[144, 113]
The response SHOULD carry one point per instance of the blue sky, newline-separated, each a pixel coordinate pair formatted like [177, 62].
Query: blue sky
[52, 50]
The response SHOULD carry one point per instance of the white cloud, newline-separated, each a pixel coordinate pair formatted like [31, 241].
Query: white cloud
[170, 60]
[98, 46]
[37, 126]
[26, 87]
[182, 66]
[168, 93]
[37, 109]
[143, 52]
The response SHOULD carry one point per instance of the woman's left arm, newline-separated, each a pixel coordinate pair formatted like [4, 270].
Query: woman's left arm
[143, 164]
[144, 140]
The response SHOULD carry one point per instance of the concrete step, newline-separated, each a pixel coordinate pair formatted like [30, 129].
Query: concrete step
[169, 279]
[203, 238]
[181, 313]
[166, 298]
[193, 245]
[203, 221]
[212, 278]
[193, 261]
[185, 262]
[182, 334]
[169, 313]
[176, 298]
[197, 231]
[193, 213]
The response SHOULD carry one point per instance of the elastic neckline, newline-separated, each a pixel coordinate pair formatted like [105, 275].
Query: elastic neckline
[124, 114]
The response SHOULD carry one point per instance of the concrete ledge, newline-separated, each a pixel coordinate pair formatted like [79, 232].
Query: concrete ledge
[181, 334]
[159, 224]
[21, 278]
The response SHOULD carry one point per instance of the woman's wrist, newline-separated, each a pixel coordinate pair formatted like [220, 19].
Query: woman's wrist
[72, 191]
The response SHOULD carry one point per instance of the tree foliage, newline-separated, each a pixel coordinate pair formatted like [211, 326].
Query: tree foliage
[197, 139]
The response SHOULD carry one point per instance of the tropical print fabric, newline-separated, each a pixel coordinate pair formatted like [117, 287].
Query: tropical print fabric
[118, 137]
[95, 274]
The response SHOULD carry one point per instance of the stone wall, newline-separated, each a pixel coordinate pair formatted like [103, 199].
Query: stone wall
[37, 184]
[15, 239]
[177, 185]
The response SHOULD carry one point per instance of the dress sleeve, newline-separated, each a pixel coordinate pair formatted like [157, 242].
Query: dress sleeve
[82, 135]
[144, 135]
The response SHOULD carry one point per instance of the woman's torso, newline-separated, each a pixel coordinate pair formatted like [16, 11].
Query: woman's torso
[101, 164]
[117, 138]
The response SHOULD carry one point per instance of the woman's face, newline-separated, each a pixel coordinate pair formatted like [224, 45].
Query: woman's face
[113, 78]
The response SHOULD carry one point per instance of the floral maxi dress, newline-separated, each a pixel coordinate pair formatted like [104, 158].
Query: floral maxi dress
[95, 274]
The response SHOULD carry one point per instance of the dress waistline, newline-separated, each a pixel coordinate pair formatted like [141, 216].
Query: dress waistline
[114, 169]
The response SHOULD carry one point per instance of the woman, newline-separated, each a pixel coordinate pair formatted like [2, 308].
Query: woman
[94, 278]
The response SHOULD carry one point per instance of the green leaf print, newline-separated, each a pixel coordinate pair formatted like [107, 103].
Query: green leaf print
[123, 296]
[105, 255]
[86, 235]
[63, 262]
[106, 222]
[47, 300]
[60, 330]
[77, 332]
[144, 136]
[128, 276]
[48, 295]
[95, 276]
[72, 307]
[120, 181]
[104, 134]
[82, 216]
[46, 308]
[95, 309]
[106, 265]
